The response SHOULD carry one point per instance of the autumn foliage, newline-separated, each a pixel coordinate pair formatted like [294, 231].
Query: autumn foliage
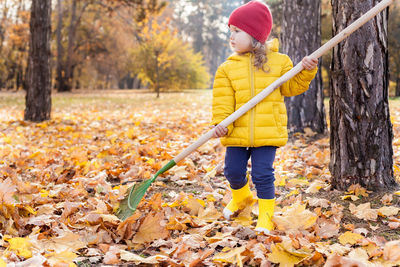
[164, 61]
[62, 180]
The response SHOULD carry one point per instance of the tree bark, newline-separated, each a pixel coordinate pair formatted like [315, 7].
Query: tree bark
[301, 35]
[69, 71]
[361, 131]
[60, 72]
[38, 95]
[397, 92]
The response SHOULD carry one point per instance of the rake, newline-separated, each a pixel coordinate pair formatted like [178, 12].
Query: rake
[129, 204]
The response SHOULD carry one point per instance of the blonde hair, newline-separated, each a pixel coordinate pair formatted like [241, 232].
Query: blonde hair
[260, 54]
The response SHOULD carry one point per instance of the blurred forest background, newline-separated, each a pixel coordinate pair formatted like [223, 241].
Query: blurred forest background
[121, 44]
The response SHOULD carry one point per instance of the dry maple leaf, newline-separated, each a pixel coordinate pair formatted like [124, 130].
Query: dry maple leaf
[326, 228]
[388, 211]
[210, 214]
[231, 256]
[387, 199]
[391, 251]
[7, 190]
[295, 217]
[357, 190]
[280, 255]
[350, 238]
[336, 260]
[364, 211]
[152, 228]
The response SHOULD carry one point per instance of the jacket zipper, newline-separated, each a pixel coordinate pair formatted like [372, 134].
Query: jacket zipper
[252, 111]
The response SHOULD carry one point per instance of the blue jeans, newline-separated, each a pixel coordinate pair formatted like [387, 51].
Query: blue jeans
[262, 171]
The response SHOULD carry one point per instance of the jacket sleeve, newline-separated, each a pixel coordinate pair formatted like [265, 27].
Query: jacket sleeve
[299, 83]
[223, 103]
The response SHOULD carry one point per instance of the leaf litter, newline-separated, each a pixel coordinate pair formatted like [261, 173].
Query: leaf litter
[62, 181]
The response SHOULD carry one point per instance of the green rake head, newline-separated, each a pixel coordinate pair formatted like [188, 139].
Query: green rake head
[129, 204]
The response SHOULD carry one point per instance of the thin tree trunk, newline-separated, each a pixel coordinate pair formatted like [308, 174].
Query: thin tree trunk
[157, 53]
[361, 131]
[301, 35]
[397, 93]
[67, 66]
[60, 72]
[38, 95]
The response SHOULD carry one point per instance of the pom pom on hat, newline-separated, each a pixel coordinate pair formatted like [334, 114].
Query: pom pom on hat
[254, 18]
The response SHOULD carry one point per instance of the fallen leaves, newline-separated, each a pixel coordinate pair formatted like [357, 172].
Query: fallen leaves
[295, 217]
[61, 182]
[287, 255]
[153, 227]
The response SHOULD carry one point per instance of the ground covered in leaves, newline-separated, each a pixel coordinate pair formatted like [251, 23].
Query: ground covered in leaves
[61, 182]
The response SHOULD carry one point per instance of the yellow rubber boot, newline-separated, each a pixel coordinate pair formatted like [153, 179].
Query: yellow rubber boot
[265, 212]
[240, 197]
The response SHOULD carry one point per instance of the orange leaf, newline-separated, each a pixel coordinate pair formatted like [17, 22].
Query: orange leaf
[152, 228]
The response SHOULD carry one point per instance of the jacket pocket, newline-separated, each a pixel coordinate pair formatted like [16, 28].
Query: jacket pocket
[278, 118]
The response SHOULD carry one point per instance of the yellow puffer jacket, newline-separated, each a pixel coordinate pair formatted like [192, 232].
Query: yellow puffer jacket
[237, 81]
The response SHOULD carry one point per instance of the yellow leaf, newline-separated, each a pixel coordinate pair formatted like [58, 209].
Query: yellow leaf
[44, 193]
[210, 198]
[315, 186]
[30, 209]
[210, 214]
[280, 180]
[7, 139]
[352, 197]
[229, 255]
[63, 257]
[131, 133]
[68, 241]
[102, 154]
[388, 211]
[2, 263]
[244, 217]
[293, 192]
[195, 205]
[349, 238]
[397, 193]
[284, 258]
[42, 125]
[21, 246]
[396, 168]
[295, 217]
[34, 155]
[131, 257]
[295, 182]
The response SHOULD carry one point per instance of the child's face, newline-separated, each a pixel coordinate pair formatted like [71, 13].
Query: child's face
[240, 41]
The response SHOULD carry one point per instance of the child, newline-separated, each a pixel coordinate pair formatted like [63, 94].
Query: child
[257, 134]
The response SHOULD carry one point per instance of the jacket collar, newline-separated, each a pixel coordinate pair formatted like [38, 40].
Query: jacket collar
[273, 46]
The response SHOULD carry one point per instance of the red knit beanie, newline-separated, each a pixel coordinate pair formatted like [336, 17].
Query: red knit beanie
[253, 18]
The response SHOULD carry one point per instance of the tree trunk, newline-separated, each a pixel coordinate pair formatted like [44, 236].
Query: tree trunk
[60, 72]
[361, 131]
[397, 93]
[157, 87]
[301, 35]
[38, 95]
[69, 72]
[65, 77]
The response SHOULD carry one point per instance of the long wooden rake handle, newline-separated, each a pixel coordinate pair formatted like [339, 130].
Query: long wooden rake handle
[287, 76]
